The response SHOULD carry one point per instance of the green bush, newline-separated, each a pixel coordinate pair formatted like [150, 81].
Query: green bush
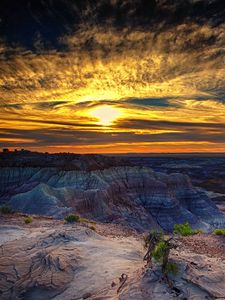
[72, 218]
[219, 231]
[159, 251]
[28, 220]
[172, 268]
[184, 229]
[6, 209]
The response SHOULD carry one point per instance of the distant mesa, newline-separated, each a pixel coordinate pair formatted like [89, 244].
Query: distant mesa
[6, 150]
[104, 188]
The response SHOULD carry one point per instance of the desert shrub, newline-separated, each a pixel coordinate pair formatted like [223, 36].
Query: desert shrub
[159, 251]
[219, 231]
[72, 218]
[28, 220]
[184, 229]
[92, 228]
[172, 268]
[150, 242]
[6, 209]
[152, 237]
[158, 247]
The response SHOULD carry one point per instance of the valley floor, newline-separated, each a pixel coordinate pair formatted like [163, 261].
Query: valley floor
[49, 259]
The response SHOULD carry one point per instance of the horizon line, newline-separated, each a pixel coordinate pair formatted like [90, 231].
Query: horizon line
[116, 153]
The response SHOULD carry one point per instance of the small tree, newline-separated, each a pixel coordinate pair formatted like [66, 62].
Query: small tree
[161, 253]
[158, 247]
[150, 242]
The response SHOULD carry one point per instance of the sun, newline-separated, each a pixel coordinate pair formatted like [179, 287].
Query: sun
[106, 114]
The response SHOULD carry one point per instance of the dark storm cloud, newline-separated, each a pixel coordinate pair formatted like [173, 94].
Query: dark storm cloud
[38, 24]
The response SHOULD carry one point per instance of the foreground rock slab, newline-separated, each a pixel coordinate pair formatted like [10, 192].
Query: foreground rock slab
[52, 260]
[68, 261]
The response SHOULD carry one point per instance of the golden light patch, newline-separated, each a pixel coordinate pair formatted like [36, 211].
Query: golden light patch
[106, 114]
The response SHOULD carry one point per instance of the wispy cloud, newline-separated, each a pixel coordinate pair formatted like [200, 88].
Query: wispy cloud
[160, 62]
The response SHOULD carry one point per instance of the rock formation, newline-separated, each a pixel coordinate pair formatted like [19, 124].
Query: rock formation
[69, 261]
[52, 260]
[134, 195]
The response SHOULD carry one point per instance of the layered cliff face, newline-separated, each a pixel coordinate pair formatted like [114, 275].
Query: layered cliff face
[136, 196]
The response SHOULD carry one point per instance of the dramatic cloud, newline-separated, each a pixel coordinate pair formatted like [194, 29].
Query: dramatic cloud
[159, 63]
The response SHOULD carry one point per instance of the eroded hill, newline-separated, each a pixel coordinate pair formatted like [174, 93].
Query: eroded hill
[108, 190]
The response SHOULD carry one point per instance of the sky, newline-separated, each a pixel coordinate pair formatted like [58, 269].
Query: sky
[112, 76]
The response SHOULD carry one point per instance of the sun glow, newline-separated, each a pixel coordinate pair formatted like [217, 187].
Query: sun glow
[106, 114]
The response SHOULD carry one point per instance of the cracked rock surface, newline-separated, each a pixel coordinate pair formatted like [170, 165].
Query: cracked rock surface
[63, 262]
[52, 260]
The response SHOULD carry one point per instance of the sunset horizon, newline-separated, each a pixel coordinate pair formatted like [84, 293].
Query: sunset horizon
[112, 149]
[115, 77]
[69, 150]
